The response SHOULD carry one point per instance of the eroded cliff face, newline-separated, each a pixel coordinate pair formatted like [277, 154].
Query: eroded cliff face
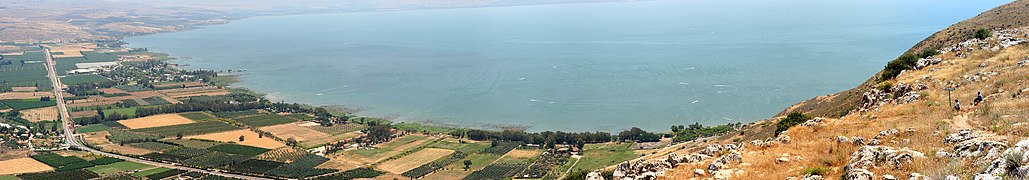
[901, 128]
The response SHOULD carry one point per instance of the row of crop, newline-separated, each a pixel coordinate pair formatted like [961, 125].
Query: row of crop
[501, 148]
[79, 174]
[362, 172]
[265, 120]
[546, 162]
[430, 167]
[189, 129]
[302, 167]
[497, 171]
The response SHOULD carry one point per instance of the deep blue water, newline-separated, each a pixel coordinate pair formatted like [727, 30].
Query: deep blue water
[572, 67]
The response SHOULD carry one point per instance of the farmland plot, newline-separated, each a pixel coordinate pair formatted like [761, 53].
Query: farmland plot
[292, 130]
[155, 121]
[22, 165]
[40, 114]
[189, 129]
[265, 120]
[413, 160]
[250, 138]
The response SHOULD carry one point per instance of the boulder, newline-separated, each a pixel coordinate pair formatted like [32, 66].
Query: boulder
[961, 135]
[698, 173]
[886, 133]
[783, 138]
[782, 160]
[859, 174]
[812, 177]
[857, 140]
[1013, 163]
[873, 156]
[889, 177]
[594, 176]
[979, 148]
[917, 176]
[952, 177]
[842, 139]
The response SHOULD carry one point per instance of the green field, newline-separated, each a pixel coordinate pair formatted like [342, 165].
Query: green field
[388, 146]
[145, 173]
[28, 74]
[119, 167]
[265, 120]
[193, 143]
[419, 127]
[155, 100]
[238, 149]
[198, 116]
[596, 156]
[84, 79]
[92, 128]
[129, 111]
[189, 129]
[23, 104]
[65, 64]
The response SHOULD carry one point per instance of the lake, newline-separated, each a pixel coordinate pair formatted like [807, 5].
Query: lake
[570, 67]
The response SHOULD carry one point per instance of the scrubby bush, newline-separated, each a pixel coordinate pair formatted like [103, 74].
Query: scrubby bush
[982, 33]
[793, 119]
[904, 62]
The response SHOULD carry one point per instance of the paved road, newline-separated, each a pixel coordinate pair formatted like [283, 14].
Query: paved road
[70, 136]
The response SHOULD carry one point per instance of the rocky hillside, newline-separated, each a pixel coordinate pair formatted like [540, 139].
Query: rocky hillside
[904, 127]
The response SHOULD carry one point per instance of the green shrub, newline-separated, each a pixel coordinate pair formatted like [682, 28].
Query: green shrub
[904, 62]
[790, 120]
[821, 171]
[884, 86]
[982, 33]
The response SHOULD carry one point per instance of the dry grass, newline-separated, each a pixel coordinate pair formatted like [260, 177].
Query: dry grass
[249, 139]
[24, 95]
[22, 165]
[413, 160]
[40, 114]
[523, 153]
[124, 149]
[155, 121]
[292, 130]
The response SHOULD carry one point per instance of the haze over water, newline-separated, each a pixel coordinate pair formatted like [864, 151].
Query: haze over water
[571, 67]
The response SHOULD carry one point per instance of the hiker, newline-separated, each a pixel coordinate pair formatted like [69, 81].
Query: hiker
[957, 105]
[978, 98]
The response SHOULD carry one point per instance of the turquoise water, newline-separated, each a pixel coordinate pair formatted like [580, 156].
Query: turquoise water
[572, 67]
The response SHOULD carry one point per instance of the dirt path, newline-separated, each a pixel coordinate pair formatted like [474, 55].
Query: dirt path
[569, 170]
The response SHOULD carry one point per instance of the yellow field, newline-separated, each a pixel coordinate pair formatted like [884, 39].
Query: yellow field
[155, 121]
[292, 130]
[413, 160]
[523, 153]
[23, 95]
[22, 165]
[249, 139]
[40, 114]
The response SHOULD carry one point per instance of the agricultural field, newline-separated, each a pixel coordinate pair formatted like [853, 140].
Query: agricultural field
[68, 63]
[238, 149]
[337, 128]
[388, 149]
[283, 155]
[596, 156]
[23, 104]
[157, 173]
[237, 114]
[153, 146]
[129, 111]
[40, 114]
[193, 92]
[413, 160]
[264, 120]
[497, 171]
[24, 95]
[119, 167]
[190, 129]
[292, 130]
[521, 156]
[198, 116]
[250, 138]
[84, 79]
[77, 174]
[156, 100]
[155, 121]
[357, 173]
[192, 143]
[28, 74]
[92, 128]
[22, 165]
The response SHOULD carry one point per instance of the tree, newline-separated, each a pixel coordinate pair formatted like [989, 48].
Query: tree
[467, 164]
[240, 138]
[793, 119]
[291, 142]
[179, 136]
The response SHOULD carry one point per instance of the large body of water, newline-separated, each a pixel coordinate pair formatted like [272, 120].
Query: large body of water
[572, 67]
